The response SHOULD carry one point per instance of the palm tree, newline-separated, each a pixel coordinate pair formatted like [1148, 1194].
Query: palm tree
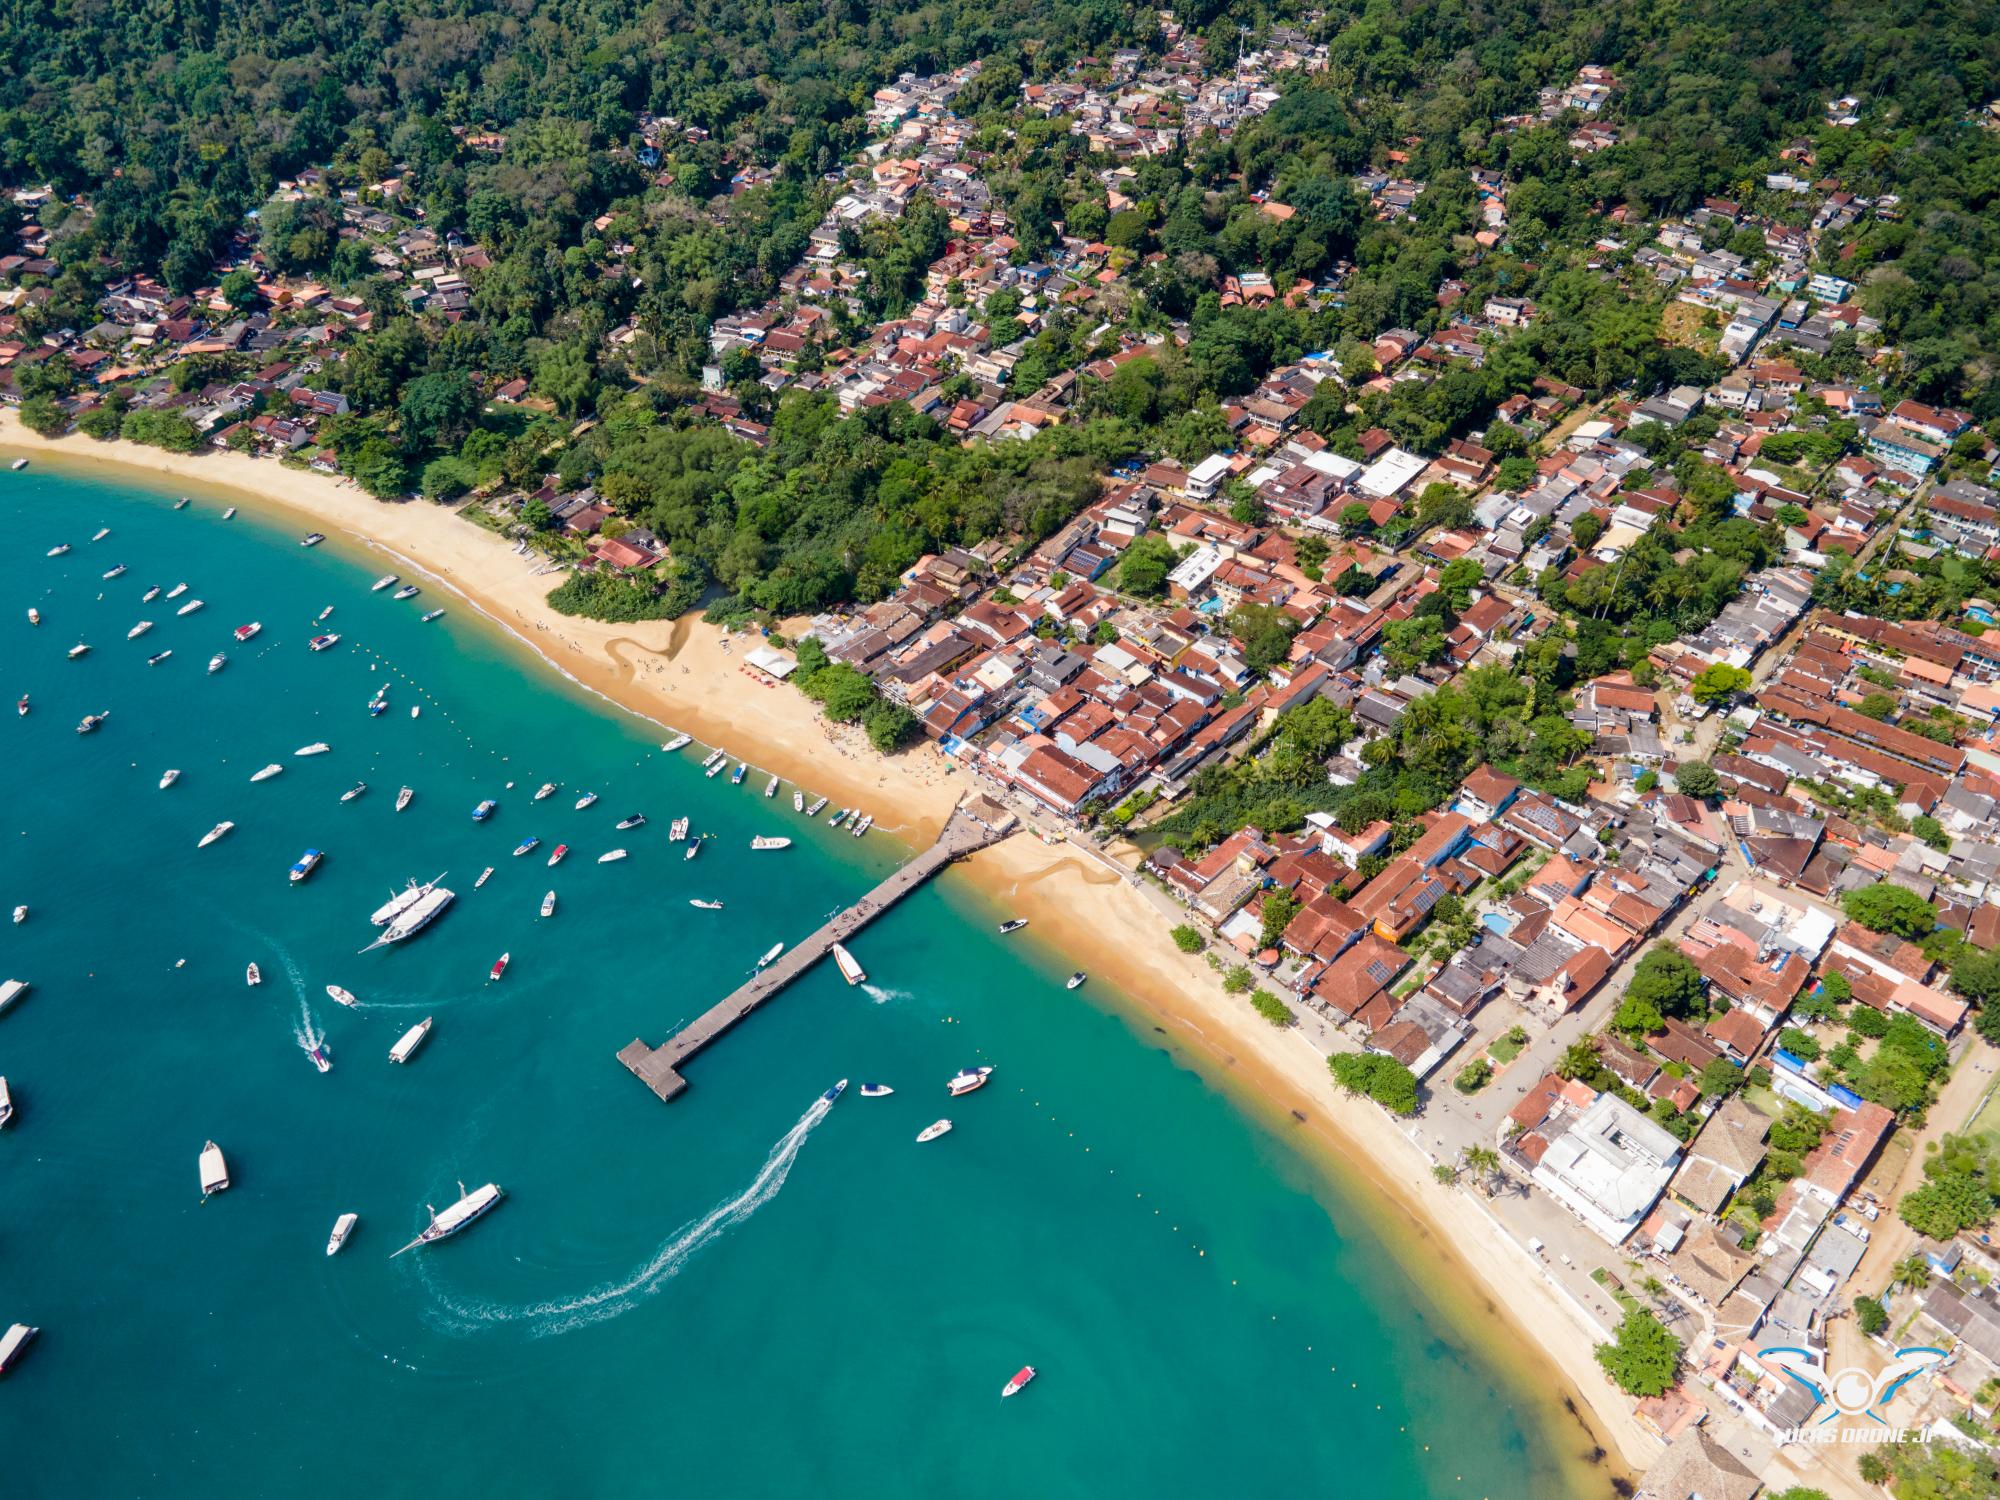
[1913, 1272]
[1483, 1160]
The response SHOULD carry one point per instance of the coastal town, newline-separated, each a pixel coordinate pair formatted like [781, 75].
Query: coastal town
[1599, 773]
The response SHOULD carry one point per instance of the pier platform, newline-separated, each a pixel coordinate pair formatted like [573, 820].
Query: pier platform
[976, 823]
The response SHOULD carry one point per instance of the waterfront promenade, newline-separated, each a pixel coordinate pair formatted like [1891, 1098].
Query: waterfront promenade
[976, 823]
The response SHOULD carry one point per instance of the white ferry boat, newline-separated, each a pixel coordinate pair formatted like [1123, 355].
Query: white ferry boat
[851, 971]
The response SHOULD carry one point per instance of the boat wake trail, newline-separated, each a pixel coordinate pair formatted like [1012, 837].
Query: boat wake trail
[306, 1030]
[881, 994]
[615, 1298]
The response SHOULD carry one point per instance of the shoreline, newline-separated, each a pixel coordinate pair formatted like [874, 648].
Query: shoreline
[1478, 1277]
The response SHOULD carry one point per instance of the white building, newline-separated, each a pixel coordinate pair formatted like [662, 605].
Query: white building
[1609, 1167]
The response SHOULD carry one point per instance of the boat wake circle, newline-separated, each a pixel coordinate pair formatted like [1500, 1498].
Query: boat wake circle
[613, 1299]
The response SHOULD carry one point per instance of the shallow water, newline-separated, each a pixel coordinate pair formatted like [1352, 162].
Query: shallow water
[746, 1292]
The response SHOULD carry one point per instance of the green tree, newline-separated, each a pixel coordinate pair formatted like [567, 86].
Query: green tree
[1870, 1315]
[1189, 939]
[1147, 561]
[1697, 778]
[1669, 982]
[1271, 1008]
[437, 411]
[1645, 1360]
[1890, 908]
[1265, 632]
[1279, 909]
[1946, 1204]
[239, 289]
[40, 414]
[1718, 682]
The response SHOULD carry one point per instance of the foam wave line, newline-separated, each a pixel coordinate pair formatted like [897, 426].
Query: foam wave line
[614, 1298]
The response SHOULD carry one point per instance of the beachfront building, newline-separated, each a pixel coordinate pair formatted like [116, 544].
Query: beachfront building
[1608, 1166]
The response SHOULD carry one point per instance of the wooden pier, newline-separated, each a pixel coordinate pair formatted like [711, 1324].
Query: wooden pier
[974, 824]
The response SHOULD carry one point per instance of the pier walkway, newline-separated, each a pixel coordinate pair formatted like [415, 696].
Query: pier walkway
[974, 824]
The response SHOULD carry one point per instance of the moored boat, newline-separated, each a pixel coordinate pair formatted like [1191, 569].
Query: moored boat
[864, 825]
[102, 533]
[407, 1044]
[693, 848]
[484, 810]
[678, 742]
[79, 649]
[876, 1091]
[1075, 979]
[765, 841]
[323, 642]
[549, 904]
[798, 801]
[252, 975]
[430, 904]
[177, 590]
[273, 769]
[59, 549]
[770, 954]
[229, 514]
[611, 856]
[387, 580]
[34, 615]
[244, 632]
[635, 821]
[499, 967]
[116, 572]
[6, 1105]
[342, 997]
[850, 970]
[312, 539]
[159, 656]
[717, 767]
[189, 608]
[711, 758]
[150, 595]
[425, 620]
[677, 830]
[771, 787]
[138, 630]
[306, 864]
[526, 845]
[736, 776]
[400, 902]
[705, 905]
[214, 1170]
[169, 778]
[484, 876]
[585, 800]
[403, 797]
[354, 791]
[932, 1131]
[556, 855]
[323, 616]
[11, 990]
[215, 833]
[469, 1207]
[342, 1228]
[407, 591]
[1021, 1377]
[216, 663]
[965, 1080]
[317, 747]
[21, 705]
[546, 790]
[812, 811]
[14, 1342]
[20, 914]
[1013, 924]
[90, 723]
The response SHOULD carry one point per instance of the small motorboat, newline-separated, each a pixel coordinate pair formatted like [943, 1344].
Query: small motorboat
[252, 975]
[770, 955]
[771, 787]
[182, 503]
[763, 841]
[611, 856]
[407, 1044]
[798, 801]
[377, 707]
[742, 770]
[549, 904]
[20, 915]
[323, 642]
[323, 616]
[864, 825]
[1075, 979]
[1013, 924]
[229, 514]
[433, 615]
[545, 791]
[102, 533]
[403, 797]
[317, 747]
[21, 705]
[306, 864]
[91, 722]
[159, 656]
[321, 1055]
[705, 905]
[678, 742]
[484, 810]
[354, 791]
[835, 1092]
[387, 580]
[214, 1170]
[169, 779]
[635, 821]
[216, 663]
[556, 855]
[17, 465]
[585, 800]
[342, 997]
[965, 1080]
[312, 539]
[876, 1091]
[677, 830]
[34, 615]
[933, 1131]
[694, 848]
[138, 630]
[59, 549]
[526, 845]
[342, 1228]
[214, 833]
[189, 608]
[117, 572]
[79, 649]
[273, 769]
[150, 595]
[407, 591]
[718, 766]
[484, 876]
[499, 967]
[177, 590]
[244, 632]
[1021, 1377]
[416, 711]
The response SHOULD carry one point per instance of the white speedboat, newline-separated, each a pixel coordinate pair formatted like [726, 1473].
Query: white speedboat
[850, 970]
[321, 1055]
[214, 1170]
[770, 954]
[312, 539]
[813, 810]
[102, 533]
[635, 821]
[252, 975]
[407, 591]
[694, 848]
[876, 1091]
[306, 864]
[182, 503]
[798, 801]
[742, 770]
[403, 798]
[965, 1080]
[771, 787]
[677, 831]
[79, 649]
[59, 549]
[323, 642]
[387, 580]
[545, 791]
[17, 1338]
[20, 915]
[189, 608]
[705, 905]
[217, 662]
[90, 723]
[484, 876]
[34, 615]
[150, 595]
[11, 990]
[117, 572]
[342, 1228]
[354, 791]
[864, 825]
[273, 769]
[527, 846]
[6, 1105]
[1075, 979]
[229, 514]
[585, 800]
[556, 855]
[245, 631]
[933, 1131]
[435, 614]
[711, 758]
[317, 747]
[763, 841]
[158, 656]
[177, 590]
[1013, 924]
[342, 997]
[1021, 1377]
[214, 833]
[678, 742]
[169, 779]
[17, 465]
[470, 1206]
[717, 767]
[549, 904]
[407, 1044]
[611, 857]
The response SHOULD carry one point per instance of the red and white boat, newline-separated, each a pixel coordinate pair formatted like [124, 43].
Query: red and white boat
[499, 967]
[560, 851]
[244, 632]
[323, 642]
[968, 1079]
[1025, 1374]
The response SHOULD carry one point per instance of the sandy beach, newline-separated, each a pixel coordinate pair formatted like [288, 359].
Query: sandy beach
[686, 675]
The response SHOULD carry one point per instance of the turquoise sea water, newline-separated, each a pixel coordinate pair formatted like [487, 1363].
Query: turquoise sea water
[741, 1293]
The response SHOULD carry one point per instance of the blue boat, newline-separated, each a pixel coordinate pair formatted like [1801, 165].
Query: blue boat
[834, 1093]
[526, 844]
[308, 862]
[484, 811]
